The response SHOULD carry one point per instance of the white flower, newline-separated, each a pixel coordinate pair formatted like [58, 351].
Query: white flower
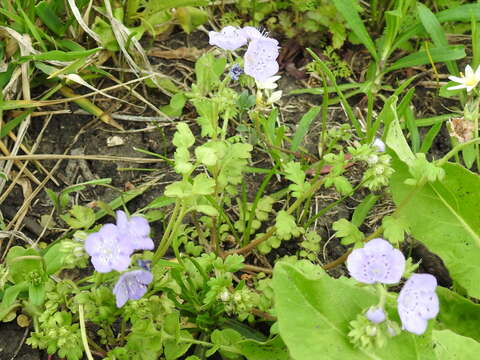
[269, 83]
[469, 81]
[276, 95]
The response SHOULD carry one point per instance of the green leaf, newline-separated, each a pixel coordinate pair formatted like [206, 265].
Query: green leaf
[438, 54]
[444, 216]
[174, 350]
[286, 226]
[314, 312]
[79, 217]
[225, 337]
[203, 185]
[159, 202]
[179, 189]
[348, 232]
[348, 9]
[59, 55]
[208, 70]
[396, 140]
[183, 137]
[303, 127]
[49, 18]
[394, 229]
[206, 209]
[36, 294]
[362, 209]
[273, 349]
[182, 161]
[453, 346]
[459, 314]
[190, 18]
[53, 258]
[23, 263]
[436, 32]
[206, 155]
[175, 108]
[12, 124]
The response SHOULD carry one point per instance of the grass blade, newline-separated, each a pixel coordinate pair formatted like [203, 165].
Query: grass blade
[348, 10]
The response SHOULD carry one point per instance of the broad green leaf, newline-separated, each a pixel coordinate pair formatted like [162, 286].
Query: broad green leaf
[9, 297]
[444, 216]
[53, 258]
[274, 349]
[458, 313]
[348, 9]
[24, 263]
[450, 346]
[438, 54]
[314, 312]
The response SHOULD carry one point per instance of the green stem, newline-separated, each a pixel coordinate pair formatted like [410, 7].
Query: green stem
[83, 332]
[272, 230]
[166, 233]
[456, 149]
[165, 243]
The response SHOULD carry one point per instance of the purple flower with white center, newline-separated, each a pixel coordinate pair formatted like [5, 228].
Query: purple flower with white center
[418, 302]
[261, 58]
[235, 72]
[377, 261]
[134, 231]
[375, 315]
[107, 251]
[131, 285]
[229, 38]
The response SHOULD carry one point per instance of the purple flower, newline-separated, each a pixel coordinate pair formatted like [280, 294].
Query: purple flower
[134, 231]
[377, 261]
[261, 58]
[235, 72]
[379, 144]
[375, 315]
[418, 302]
[250, 33]
[108, 252]
[131, 285]
[229, 38]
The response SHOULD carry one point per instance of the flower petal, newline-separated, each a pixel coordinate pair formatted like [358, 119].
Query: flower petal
[122, 220]
[424, 282]
[468, 71]
[413, 323]
[356, 266]
[101, 263]
[457, 87]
